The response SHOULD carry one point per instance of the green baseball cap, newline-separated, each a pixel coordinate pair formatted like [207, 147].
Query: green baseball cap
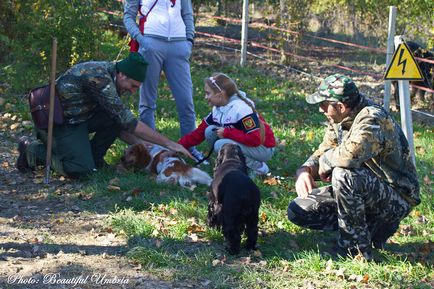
[336, 87]
[134, 66]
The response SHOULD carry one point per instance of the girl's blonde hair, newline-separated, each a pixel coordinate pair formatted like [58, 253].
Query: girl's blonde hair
[220, 82]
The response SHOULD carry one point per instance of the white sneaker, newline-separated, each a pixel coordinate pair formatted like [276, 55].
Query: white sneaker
[198, 156]
[259, 168]
[263, 169]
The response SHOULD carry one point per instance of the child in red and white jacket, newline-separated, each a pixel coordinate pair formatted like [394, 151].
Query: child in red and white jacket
[233, 119]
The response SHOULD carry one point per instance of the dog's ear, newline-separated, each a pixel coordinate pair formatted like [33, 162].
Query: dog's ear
[240, 154]
[220, 158]
[142, 155]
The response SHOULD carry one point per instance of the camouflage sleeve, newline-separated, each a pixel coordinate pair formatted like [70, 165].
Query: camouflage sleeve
[103, 91]
[329, 141]
[363, 142]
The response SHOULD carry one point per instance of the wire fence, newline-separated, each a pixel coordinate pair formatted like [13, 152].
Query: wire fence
[261, 45]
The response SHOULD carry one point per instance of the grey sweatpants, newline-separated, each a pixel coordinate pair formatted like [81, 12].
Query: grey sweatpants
[172, 57]
[253, 154]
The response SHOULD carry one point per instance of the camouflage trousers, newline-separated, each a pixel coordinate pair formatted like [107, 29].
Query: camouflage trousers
[360, 206]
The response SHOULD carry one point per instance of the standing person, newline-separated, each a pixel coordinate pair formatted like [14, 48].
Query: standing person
[89, 94]
[166, 44]
[365, 156]
[233, 119]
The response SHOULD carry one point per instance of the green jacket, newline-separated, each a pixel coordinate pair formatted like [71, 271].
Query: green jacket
[89, 86]
[370, 138]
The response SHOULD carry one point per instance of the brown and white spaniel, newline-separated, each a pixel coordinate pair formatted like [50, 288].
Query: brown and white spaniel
[168, 167]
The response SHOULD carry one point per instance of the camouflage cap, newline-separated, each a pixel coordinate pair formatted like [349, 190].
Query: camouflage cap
[336, 87]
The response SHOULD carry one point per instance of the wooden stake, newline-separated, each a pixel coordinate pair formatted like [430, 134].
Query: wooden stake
[51, 110]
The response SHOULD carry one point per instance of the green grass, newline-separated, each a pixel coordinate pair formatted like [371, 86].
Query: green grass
[166, 225]
[168, 235]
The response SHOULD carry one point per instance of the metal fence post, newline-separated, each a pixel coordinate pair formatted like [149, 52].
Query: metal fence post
[389, 54]
[244, 32]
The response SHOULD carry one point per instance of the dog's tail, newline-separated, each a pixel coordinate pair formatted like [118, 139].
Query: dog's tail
[200, 177]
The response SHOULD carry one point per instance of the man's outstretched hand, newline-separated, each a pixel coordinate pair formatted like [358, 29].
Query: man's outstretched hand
[176, 147]
[305, 182]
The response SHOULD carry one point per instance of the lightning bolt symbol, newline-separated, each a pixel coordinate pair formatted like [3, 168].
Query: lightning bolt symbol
[401, 61]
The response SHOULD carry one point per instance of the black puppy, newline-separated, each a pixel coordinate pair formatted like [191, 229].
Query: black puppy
[234, 199]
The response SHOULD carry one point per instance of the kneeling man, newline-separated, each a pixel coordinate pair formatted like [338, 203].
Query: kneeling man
[90, 95]
[365, 156]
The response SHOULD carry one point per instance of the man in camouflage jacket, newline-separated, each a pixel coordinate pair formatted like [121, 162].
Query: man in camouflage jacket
[365, 156]
[89, 94]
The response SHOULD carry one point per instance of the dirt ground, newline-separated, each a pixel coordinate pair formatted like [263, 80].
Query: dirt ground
[47, 239]
[45, 233]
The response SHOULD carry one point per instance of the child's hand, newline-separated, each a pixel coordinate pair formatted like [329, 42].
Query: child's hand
[219, 132]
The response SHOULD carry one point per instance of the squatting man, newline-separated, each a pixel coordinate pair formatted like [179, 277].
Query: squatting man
[365, 156]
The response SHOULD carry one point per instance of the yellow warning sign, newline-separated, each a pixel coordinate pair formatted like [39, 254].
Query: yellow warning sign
[403, 65]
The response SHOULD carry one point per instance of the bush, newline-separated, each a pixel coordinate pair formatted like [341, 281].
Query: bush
[31, 25]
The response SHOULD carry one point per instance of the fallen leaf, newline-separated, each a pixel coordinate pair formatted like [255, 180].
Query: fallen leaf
[192, 187]
[272, 181]
[329, 266]
[426, 180]
[406, 230]
[195, 228]
[415, 213]
[420, 150]
[257, 253]
[263, 217]
[114, 182]
[136, 192]
[365, 279]
[309, 136]
[340, 273]
[215, 262]
[113, 188]
[245, 260]
[14, 126]
[85, 197]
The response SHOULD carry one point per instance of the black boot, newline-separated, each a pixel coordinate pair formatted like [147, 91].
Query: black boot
[22, 164]
[383, 233]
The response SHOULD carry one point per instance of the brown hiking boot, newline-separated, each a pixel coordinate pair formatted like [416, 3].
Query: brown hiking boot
[22, 164]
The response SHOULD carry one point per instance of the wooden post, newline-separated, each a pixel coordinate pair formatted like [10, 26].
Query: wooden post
[51, 111]
[244, 32]
[389, 54]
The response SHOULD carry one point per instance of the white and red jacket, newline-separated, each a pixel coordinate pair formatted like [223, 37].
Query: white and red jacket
[240, 123]
[165, 20]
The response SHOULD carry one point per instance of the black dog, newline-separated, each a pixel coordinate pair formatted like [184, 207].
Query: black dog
[234, 199]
